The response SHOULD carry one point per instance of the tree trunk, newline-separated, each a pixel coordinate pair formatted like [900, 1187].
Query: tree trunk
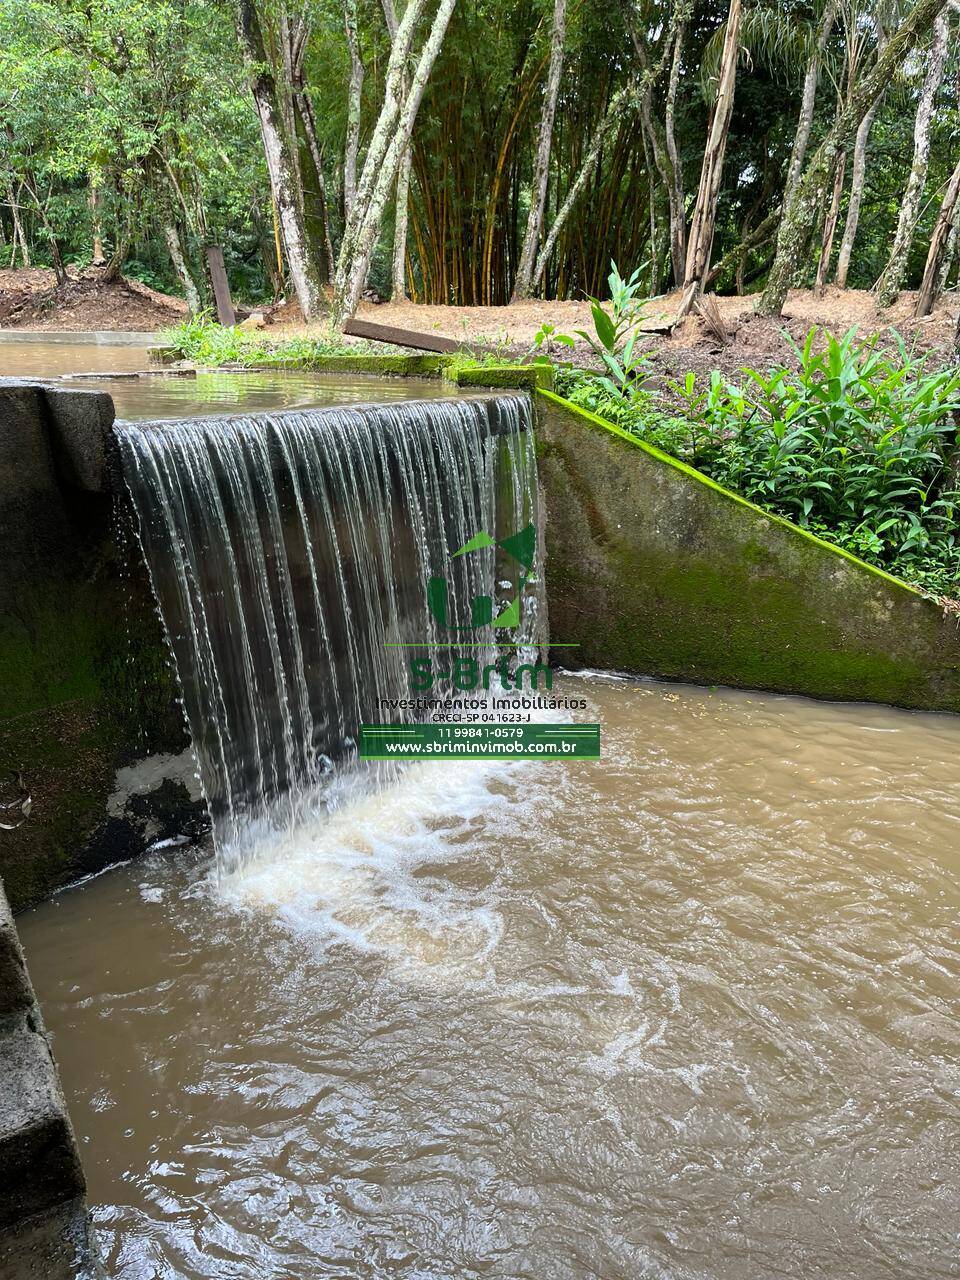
[398, 282]
[385, 131]
[190, 291]
[541, 172]
[59, 270]
[280, 166]
[830, 226]
[354, 95]
[891, 281]
[93, 199]
[678, 216]
[362, 232]
[611, 118]
[808, 102]
[797, 222]
[703, 222]
[18, 232]
[934, 273]
[660, 138]
[398, 287]
[307, 123]
[857, 179]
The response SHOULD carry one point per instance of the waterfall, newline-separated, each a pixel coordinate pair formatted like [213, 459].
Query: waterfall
[290, 555]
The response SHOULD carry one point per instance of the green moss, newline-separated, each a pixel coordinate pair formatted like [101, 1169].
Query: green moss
[526, 377]
[400, 365]
[65, 757]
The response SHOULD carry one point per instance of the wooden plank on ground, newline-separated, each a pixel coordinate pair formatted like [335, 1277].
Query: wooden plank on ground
[401, 337]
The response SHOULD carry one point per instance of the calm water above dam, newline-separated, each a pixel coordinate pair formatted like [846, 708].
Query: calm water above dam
[163, 394]
[690, 1012]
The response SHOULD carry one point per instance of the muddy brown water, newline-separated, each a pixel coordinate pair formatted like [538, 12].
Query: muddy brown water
[163, 394]
[688, 1012]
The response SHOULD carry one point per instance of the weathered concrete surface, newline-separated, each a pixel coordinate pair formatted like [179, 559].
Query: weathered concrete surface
[86, 686]
[54, 1246]
[39, 1164]
[655, 569]
[42, 1217]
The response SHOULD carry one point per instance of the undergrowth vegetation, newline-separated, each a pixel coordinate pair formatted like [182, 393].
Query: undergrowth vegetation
[203, 341]
[857, 444]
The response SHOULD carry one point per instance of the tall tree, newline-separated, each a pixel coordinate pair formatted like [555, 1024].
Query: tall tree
[855, 199]
[541, 172]
[703, 222]
[891, 281]
[354, 105]
[938, 254]
[660, 138]
[390, 138]
[398, 289]
[284, 183]
[808, 100]
[797, 222]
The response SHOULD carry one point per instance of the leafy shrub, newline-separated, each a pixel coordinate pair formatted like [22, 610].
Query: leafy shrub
[615, 336]
[205, 342]
[642, 413]
[853, 444]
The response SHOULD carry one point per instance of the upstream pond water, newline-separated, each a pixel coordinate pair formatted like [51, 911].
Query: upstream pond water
[162, 393]
[691, 1011]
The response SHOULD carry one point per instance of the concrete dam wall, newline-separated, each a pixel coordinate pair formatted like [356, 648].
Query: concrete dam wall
[87, 690]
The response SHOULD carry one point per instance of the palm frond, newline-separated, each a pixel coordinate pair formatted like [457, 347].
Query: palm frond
[772, 38]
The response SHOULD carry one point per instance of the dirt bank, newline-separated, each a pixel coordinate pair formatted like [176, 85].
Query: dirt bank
[741, 338]
[30, 300]
[733, 337]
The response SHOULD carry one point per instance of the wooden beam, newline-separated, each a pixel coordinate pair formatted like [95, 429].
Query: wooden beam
[403, 337]
[221, 289]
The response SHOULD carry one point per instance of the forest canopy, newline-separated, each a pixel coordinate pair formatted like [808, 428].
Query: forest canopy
[474, 152]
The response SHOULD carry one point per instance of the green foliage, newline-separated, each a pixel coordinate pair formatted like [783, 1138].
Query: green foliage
[853, 444]
[615, 335]
[641, 412]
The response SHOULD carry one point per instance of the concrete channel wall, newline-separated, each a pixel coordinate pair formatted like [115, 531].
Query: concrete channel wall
[43, 1220]
[652, 568]
[93, 764]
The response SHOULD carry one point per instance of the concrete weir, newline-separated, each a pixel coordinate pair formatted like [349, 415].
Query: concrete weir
[85, 683]
[91, 735]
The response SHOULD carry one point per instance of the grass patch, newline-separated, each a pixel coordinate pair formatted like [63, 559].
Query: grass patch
[203, 341]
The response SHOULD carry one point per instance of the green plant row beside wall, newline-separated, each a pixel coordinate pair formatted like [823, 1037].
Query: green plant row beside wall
[653, 568]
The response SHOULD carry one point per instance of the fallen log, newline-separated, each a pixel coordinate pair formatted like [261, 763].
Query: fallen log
[403, 337]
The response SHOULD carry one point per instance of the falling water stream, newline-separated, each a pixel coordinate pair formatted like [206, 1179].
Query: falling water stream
[688, 1013]
[290, 555]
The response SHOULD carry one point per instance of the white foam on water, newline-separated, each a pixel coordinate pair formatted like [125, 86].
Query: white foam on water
[357, 871]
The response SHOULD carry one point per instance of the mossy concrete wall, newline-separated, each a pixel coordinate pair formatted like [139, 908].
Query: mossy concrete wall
[652, 568]
[86, 687]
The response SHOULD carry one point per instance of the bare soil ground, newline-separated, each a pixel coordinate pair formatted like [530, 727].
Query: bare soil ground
[735, 336]
[742, 338]
[30, 300]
